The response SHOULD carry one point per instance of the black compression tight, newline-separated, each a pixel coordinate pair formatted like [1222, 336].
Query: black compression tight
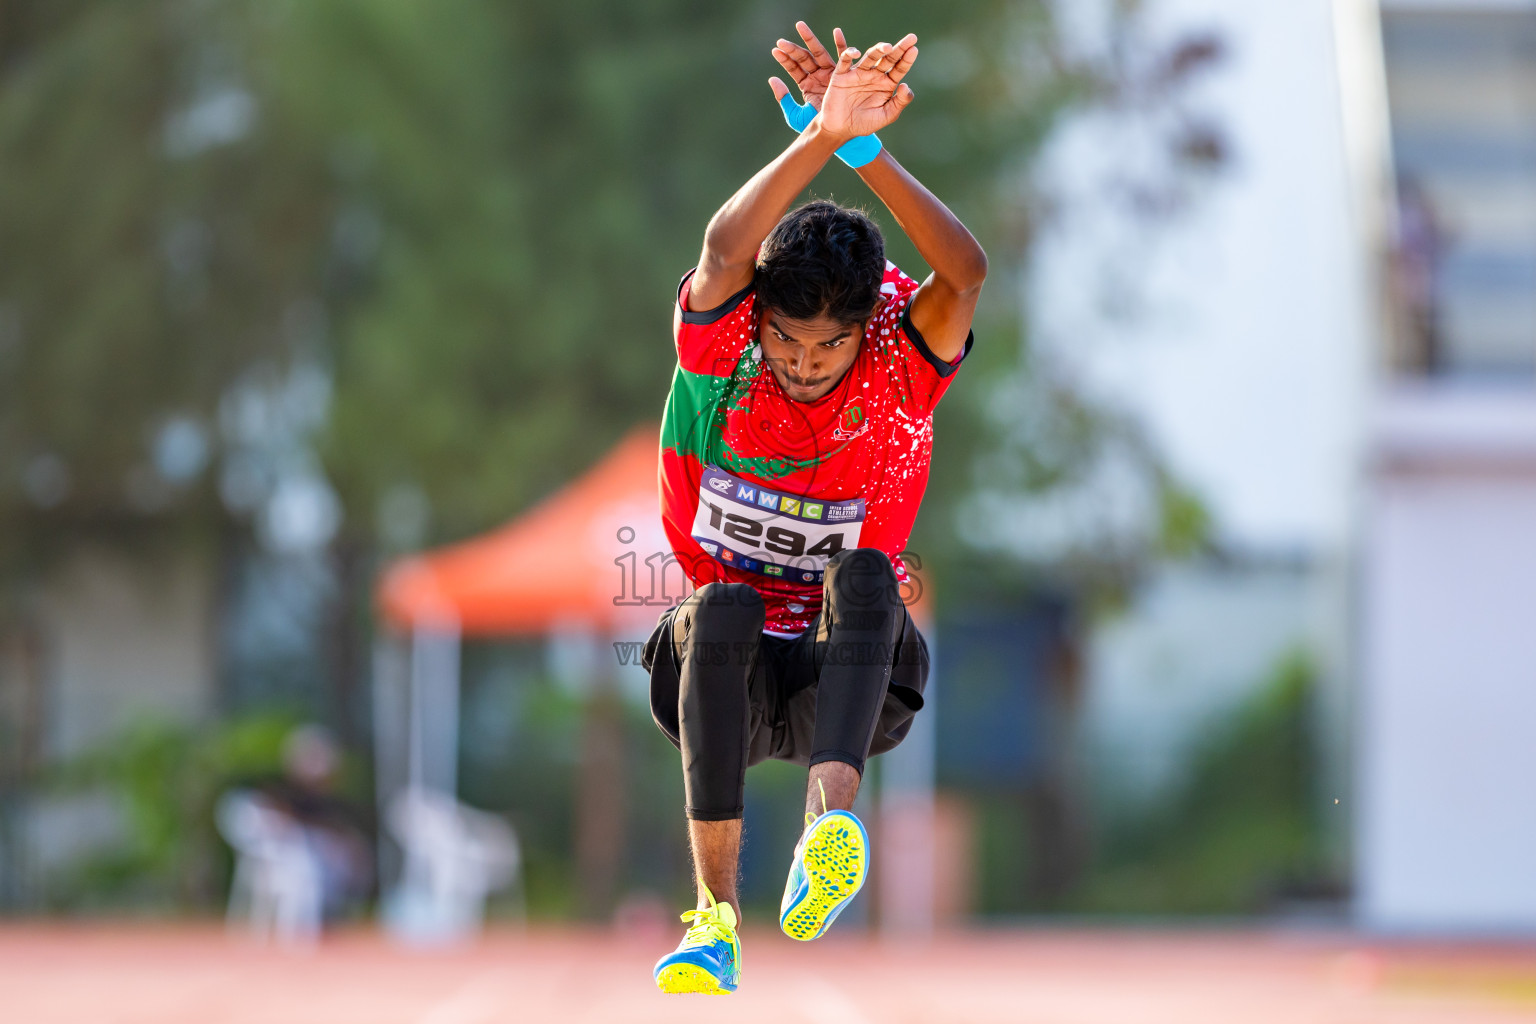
[720, 651]
[715, 634]
[856, 634]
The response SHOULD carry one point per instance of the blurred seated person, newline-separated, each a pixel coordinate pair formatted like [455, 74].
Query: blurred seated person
[333, 826]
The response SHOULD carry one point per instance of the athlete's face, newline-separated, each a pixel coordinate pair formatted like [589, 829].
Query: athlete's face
[808, 357]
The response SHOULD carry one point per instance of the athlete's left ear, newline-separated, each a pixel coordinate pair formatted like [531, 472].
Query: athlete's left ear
[875, 313]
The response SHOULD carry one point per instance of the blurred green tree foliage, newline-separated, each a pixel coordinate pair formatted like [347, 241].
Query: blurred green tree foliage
[470, 216]
[1243, 832]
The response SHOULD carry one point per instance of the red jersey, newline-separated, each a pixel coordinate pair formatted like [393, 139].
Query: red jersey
[759, 488]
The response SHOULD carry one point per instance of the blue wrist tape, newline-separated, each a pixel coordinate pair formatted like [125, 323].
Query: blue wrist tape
[856, 152]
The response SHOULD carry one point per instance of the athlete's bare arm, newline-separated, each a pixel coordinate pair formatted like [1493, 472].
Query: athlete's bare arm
[946, 301]
[858, 99]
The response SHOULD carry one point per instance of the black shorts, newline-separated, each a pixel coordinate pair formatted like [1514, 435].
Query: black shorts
[782, 689]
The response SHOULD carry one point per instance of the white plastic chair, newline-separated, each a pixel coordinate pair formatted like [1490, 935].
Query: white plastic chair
[276, 890]
[455, 857]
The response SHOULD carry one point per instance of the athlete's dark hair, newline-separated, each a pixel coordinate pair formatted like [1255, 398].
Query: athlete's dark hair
[822, 260]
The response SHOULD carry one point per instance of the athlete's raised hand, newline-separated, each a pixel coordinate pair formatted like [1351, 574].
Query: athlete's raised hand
[810, 65]
[862, 98]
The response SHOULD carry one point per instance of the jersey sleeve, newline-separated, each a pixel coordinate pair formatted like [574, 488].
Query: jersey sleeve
[923, 376]
[712, 339]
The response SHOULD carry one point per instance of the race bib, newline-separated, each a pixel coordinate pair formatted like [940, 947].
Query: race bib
[772, 533]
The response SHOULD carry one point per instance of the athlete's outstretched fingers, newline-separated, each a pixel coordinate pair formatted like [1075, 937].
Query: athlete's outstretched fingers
[875, 55]
[799, 55]
[788, 65]
[788, 46]
[780, 90]
[908, 58]
[817, 51]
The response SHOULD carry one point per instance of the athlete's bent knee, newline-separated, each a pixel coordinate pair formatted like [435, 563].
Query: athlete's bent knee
[728, 611]
[863, 578]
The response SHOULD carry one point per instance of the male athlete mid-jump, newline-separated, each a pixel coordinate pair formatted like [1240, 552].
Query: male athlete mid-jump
[795, 451]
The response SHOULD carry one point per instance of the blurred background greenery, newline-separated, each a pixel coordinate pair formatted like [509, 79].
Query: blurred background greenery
[289, 288]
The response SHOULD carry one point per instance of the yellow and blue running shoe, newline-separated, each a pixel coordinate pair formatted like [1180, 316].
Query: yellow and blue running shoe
[708, 960]
[831, 863]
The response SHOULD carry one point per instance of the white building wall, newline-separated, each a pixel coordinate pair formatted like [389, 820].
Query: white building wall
[1446, 830]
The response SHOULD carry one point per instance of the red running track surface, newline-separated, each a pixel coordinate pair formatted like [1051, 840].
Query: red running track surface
[194, 974]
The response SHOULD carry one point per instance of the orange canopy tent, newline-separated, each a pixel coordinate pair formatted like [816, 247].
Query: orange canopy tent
[572, 560]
